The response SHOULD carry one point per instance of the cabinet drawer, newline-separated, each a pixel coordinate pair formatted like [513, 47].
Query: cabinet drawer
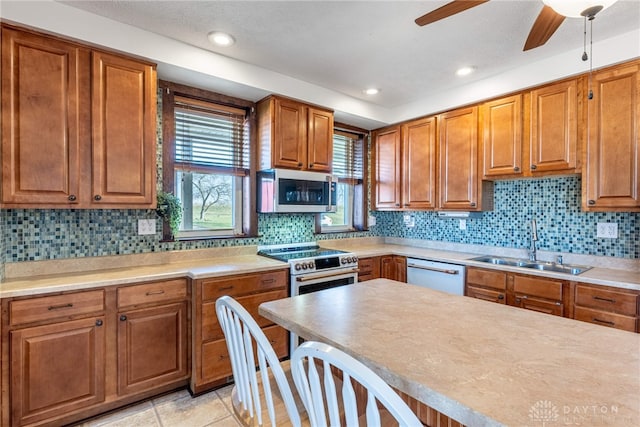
[55, 307]
[604, 318]
[607, 300]
[486, 294]
[543, 288]
[155, 292]
[211, 328]
[239, 285]
[540, 305]
[487, 278]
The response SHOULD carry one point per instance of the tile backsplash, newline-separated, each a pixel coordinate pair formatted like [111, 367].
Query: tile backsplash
[36, 234]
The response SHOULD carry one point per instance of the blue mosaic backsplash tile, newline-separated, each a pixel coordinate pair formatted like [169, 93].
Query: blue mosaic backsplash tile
[35, 234]
[553, 202]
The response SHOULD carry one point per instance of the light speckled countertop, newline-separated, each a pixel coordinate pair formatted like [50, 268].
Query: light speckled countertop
[481, 364]
[38, 277]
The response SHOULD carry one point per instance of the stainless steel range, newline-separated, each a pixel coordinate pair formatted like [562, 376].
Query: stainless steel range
[313, 268]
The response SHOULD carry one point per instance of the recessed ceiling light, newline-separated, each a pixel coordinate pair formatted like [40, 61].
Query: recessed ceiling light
[371, 91]
[220, 38]
[465, 71]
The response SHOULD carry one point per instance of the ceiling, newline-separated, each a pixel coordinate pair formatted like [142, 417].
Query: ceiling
[346, 46]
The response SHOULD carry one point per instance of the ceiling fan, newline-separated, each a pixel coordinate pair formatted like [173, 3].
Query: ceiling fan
[543, 28]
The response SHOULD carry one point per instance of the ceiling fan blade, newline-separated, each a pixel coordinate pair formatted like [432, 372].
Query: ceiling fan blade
[546, 24]
[447, 10]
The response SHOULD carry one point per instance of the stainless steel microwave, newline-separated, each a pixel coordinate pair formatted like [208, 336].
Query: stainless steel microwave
[291, 191]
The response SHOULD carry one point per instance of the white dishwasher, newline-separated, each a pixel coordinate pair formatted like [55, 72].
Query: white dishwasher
[440, 276]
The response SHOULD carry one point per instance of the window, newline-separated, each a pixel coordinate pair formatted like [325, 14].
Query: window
[348, 166]
[209, 166]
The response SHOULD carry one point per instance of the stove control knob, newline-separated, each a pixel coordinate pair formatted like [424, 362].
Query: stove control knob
[311, 265]
[304, 266]
[354, 259]
[344, 260]
[297, 267]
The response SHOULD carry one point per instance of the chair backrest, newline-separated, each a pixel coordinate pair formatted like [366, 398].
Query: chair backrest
[320, 396]
[246, 342]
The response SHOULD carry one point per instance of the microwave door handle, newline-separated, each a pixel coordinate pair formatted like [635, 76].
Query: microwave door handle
[330, 205]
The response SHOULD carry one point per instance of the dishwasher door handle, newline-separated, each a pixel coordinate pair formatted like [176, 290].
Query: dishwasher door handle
[439, 270]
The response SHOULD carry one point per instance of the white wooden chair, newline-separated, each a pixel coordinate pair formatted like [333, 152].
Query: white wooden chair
[320, 396]
[258, 397]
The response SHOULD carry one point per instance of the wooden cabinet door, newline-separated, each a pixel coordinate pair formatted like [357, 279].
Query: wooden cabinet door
[44, 111]
[553, 129]
[612, 174]
[502, 136]
[458, 159]
[152, 347]
[394, 267]
[124, 131]
[290, 135]
[319, 140]
[56, 369]
[418, 165]
[387, 172]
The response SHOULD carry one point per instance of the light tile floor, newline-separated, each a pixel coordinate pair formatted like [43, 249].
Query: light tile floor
[176, 409]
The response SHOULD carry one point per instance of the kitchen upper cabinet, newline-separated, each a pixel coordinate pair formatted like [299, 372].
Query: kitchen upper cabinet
[387, 173]
[502, 136]
[419, 164]
[405, 170]
[553, 112]
[294, 135]
[78, 125]
[611, 177]
[460, 186]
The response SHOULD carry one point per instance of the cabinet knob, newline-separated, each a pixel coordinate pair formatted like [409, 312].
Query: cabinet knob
[300, 164]
[97, 197]
[397, 204]
[473, 204]
[534, 167]
[123, 318]
[406, 205]
[99, 322]
[591, 202]
[500, 296]
[310, 165]
[72, 198]
[516, 169]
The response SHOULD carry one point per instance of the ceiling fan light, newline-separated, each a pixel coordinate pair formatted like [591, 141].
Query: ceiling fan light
[575, 8]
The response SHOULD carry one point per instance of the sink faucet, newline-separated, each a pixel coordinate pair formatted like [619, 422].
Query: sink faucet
[534, 239]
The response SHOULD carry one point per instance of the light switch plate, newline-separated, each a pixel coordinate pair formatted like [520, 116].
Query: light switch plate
[146, 226]
[607, 230]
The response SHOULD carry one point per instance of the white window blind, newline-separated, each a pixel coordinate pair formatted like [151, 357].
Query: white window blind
[210, 137]
[347, 157]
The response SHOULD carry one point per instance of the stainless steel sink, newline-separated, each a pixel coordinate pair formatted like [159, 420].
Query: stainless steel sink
[535, 265]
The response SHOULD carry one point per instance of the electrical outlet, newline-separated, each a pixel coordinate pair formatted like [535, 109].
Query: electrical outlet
[146, 226]
[463, 224]
[409, 221]
[607, 230]
[372, 220]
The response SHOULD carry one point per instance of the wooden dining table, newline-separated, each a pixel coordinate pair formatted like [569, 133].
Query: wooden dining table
[480, 363]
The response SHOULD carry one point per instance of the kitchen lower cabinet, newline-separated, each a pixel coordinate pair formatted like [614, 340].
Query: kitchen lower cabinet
[612, 307]
[427, 415]
[369, 268]
[77, 354]
[540, 294]
[394, 267]
[211, 364]
[57, 369]
[486, 285]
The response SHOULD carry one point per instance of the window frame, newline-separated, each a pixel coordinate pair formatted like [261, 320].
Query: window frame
[249, 217]
[360, 207]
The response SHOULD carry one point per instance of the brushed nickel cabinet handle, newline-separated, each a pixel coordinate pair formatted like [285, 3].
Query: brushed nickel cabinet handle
[160, 292]
[606, 322]
[611, 300]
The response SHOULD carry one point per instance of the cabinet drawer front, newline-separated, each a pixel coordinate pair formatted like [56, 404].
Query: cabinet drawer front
[241, 285]
[210, 326]
[487, 278]
[55, 307]
[279, 339]
[486, 294]
[607, 300]
[539, 305]
[543, 288]
[603, 318]
[365, 264]
[152, 293]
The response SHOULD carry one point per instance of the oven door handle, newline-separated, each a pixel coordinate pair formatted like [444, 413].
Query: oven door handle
[324, 276]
